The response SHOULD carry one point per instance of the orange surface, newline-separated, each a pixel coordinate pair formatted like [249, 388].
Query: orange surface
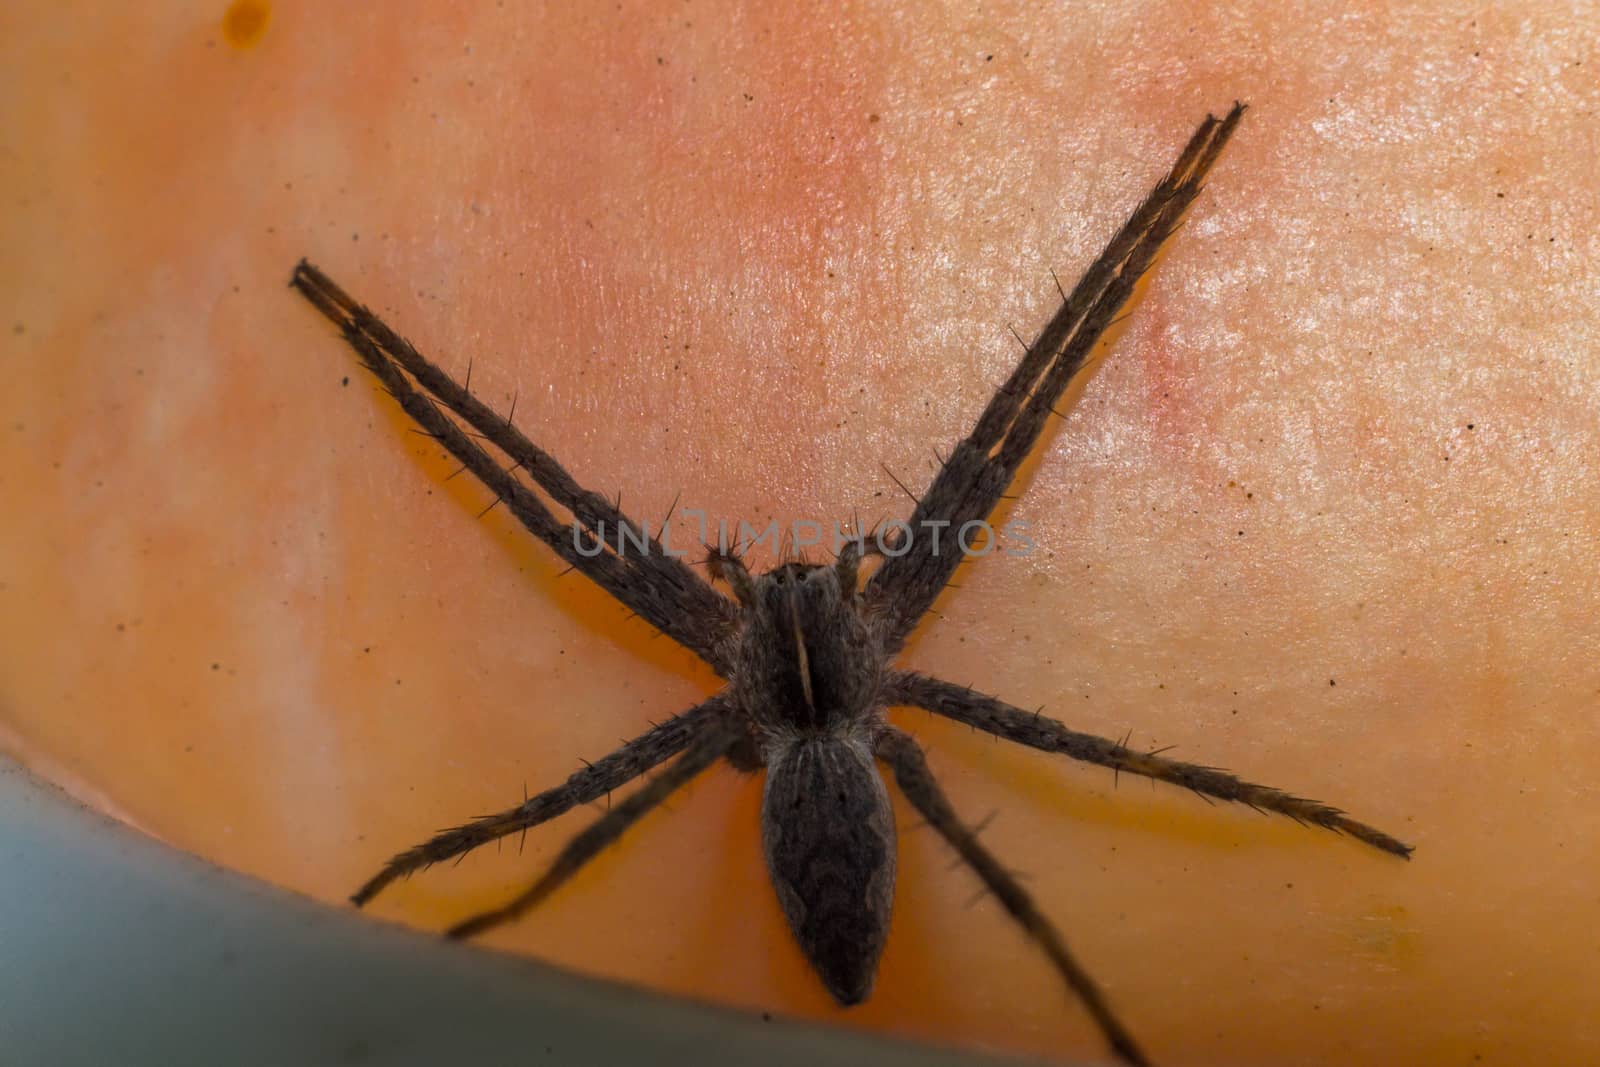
[1326, 518]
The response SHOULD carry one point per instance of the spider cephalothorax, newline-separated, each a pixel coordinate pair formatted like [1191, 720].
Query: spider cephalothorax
[806, 650]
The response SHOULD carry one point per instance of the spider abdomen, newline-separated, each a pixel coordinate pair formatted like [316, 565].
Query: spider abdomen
[828, 835]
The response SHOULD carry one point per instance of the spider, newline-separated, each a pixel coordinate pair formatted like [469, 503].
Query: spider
[807, 650]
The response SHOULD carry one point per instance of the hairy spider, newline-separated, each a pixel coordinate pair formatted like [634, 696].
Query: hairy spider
[807, 650]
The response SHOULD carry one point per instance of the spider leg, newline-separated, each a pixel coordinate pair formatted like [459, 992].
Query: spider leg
[916, 781]
[1037, 731]
[633, 566]
[705, 749]
[597, 779]
[972, 479]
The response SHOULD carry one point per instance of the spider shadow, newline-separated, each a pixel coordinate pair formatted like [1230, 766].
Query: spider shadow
[546, 577]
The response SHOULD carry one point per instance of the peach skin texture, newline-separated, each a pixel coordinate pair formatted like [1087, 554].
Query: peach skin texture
[1326, 516]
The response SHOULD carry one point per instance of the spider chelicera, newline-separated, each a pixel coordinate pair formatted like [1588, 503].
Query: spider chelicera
[808, 650]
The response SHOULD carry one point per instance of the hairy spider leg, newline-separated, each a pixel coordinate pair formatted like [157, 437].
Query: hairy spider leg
[911, 773]
[710, 745]
[634, 567]
[1046, 734]
[971, 482]
[595, 780]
